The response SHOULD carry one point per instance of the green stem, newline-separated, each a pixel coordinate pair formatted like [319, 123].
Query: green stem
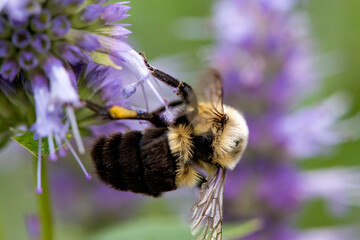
[44, 208]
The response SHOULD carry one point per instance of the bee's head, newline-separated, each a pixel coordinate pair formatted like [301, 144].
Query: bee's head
[231, 138]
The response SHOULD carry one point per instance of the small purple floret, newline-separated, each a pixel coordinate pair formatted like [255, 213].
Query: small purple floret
[28, 60]
[41, 21]
[71, 53]
[41, 43]
[88, 42]
[91, 13]
[21, 38]
[115, 12]
[9, 69]
[60, 26]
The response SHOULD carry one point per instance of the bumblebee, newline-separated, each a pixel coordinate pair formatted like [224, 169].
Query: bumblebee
[205, 136]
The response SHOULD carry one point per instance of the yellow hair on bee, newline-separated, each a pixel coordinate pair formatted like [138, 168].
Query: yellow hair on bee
[180, 143]
[187, 176]
[230, 144]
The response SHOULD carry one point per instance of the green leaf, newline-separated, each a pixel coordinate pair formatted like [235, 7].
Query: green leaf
[239, 230]
[156, 227]
[27, 141]
[152, 228]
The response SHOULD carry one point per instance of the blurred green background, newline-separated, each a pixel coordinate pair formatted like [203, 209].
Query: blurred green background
[156, 27]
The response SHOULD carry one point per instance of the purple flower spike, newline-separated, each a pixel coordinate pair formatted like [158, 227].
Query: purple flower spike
[91, 13]
[28, 60]
[115, 12]
[60, 26]
[41, 21]
[9, 69]
[21, 38]
[41, 43]
[5, 48]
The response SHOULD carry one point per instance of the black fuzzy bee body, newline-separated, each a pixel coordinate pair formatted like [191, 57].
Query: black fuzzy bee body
[140, 162]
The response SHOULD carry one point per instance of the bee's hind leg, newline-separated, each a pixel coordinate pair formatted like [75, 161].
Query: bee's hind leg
[188, 176]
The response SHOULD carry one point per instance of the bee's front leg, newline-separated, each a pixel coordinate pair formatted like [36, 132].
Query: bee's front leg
[182, 89]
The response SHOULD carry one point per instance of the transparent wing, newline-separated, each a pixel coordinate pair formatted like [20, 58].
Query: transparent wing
[206, 219]
[210, 87]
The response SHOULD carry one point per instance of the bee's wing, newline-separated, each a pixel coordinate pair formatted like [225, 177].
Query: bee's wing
[206, 219]
[210, 87]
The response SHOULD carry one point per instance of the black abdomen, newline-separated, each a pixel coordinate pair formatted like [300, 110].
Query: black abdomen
[135, 161]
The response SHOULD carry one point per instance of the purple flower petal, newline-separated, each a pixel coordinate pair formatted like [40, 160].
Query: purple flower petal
[41, 21]
[91, 13]
[47, 122]
[87, 41]
[62, 89]
[21, 38]
[60, 26]
[41, 43]
[115, 12]
[72, 54]
[9, 69]
[17, 10]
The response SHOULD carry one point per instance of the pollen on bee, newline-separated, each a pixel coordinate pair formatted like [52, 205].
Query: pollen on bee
[120, 112]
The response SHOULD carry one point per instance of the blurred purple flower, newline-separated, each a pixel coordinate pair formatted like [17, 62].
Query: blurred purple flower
[43, 41]
[337, 186]
[310, 131]
[264, 53]
[327, 233]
